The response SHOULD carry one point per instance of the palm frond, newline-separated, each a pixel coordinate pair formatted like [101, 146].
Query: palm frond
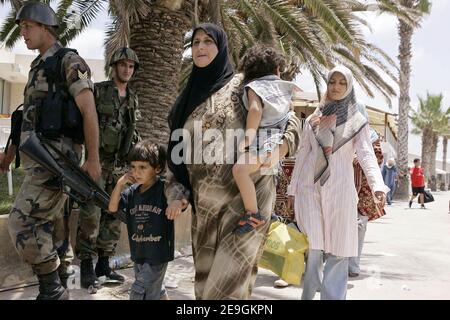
[287, 21]
[322, 10]
[10, 33]
[86, 12]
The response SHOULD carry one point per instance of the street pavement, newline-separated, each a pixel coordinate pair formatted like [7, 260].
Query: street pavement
[406, 255]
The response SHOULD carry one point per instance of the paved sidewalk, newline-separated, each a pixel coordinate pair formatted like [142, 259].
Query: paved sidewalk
[406, 256]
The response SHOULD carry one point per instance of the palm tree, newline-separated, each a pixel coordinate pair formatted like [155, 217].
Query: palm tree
[415, 10]
[431, 121]
[315, 34]
[446, 135]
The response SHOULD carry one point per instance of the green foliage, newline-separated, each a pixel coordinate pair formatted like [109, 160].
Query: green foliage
[431, 115]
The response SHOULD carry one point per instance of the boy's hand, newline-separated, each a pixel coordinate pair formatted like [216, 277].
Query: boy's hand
[175, 207]
[127, 178]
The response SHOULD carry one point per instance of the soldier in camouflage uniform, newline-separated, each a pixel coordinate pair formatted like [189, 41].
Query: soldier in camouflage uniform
[98, 231]
[35, 221]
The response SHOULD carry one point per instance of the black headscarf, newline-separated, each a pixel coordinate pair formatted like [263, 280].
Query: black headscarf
[202, 83]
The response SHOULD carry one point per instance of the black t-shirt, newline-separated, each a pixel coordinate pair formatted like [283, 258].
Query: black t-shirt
[150, 233]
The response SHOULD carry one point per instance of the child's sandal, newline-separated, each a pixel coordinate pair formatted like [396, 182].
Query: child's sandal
[249, 222]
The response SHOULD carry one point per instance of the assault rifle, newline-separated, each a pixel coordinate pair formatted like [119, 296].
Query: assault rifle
[74, 182]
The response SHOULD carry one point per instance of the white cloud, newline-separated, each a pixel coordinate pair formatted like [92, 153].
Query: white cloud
[418, 54]
[439, 5]
[381, 25]
[89, 44]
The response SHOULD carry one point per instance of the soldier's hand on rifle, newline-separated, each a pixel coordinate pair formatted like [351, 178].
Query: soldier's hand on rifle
[175, 208]
[93, 168]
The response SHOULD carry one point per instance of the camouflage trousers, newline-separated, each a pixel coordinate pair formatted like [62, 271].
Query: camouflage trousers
[98, 231]
[37, 226]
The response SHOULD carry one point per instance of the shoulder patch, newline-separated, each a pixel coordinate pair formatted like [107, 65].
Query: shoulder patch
[83, 75]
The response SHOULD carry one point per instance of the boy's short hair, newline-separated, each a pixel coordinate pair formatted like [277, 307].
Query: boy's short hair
[260, 61]
[416, 160]
[149, 152]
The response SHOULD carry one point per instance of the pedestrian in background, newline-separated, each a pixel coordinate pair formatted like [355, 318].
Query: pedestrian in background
[417, 183]
[389, 173]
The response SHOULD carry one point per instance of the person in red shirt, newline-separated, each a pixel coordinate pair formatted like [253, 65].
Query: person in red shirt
[417, 183]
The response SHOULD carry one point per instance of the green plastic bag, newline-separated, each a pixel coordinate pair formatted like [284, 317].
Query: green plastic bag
[284, 252]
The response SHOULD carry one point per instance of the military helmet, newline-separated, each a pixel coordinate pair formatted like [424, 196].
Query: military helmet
[122, 54]
[38, 12]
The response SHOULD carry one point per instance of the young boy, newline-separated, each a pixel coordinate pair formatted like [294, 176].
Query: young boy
[417, 183]
[149, 219]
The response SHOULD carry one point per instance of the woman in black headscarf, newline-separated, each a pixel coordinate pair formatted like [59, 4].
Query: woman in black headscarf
[225, 263]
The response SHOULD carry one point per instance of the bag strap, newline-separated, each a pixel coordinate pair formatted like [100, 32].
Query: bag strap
[14, 136]
[54, 73]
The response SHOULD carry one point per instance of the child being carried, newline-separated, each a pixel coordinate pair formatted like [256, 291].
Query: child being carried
[267, 99]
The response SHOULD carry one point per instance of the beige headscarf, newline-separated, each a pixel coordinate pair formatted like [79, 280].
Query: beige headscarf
[334, 123]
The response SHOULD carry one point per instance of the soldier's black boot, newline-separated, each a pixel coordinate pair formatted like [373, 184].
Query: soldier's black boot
[102, 269]
[87, 275]
[64, 273]
[50, 287]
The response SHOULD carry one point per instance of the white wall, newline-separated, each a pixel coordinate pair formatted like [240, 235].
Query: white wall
[6, 56]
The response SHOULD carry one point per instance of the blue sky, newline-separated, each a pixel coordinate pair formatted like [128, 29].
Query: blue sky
[430, 63]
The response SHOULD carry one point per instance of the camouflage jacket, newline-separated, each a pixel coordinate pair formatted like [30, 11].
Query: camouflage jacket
[117, 123]
[77, 75]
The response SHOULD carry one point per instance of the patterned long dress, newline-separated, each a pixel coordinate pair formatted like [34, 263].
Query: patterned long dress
[225, 263]
[366, 199]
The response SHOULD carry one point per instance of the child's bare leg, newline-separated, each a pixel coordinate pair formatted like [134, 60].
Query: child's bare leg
[246, 165]
[421, 198]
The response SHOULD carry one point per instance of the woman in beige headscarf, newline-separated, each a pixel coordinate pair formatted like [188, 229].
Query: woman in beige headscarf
[323, 185]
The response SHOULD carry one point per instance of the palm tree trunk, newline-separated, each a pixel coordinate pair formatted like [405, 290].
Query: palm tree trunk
[432, 181]
[444, 161]
[405, 33]
[427, 147]
[158, 42]
[444, 153]
[214, 11]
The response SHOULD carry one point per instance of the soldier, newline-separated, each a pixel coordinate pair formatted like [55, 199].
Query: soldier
[59, 105]
[98, 231]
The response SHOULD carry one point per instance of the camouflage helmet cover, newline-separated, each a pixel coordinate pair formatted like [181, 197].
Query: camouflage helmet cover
[122, 54]
[38, 12]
